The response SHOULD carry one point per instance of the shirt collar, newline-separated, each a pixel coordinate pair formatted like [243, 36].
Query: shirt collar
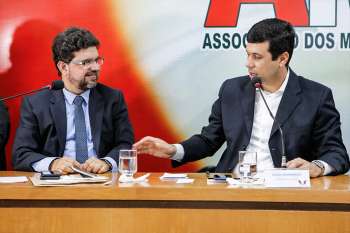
[69, 96]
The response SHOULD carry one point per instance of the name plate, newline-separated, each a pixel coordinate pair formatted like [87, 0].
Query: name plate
[287, 178]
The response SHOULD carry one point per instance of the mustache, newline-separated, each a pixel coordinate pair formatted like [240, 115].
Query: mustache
[90, 73]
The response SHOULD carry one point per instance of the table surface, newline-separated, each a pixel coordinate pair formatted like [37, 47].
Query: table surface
[327, 189]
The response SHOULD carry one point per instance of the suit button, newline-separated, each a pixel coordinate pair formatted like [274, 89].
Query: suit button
[273, 148]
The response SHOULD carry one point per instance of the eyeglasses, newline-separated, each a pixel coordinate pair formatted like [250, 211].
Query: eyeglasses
[89, 62]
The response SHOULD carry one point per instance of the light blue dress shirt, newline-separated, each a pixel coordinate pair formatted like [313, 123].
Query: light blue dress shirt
[69, 151]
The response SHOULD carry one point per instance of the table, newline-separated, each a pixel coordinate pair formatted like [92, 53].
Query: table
[163, 206]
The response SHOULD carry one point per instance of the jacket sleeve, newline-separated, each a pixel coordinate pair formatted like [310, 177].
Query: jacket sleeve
[327, 135]
[26, 146]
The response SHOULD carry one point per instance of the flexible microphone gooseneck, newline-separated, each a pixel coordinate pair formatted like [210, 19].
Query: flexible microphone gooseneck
[256, 82]
[55, 85]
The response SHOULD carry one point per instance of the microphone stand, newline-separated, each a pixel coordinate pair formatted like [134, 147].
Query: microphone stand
[284, 158]
[56, 85]
[26, 93]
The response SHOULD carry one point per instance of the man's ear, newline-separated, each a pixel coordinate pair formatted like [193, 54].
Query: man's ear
[283, 59]
[62, 67]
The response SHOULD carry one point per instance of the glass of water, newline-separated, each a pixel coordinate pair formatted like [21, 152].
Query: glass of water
[247, 165]
[127, 162]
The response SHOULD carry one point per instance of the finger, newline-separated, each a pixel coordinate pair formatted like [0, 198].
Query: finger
[295, 163]
[104, 168]
[58, 171]
[83, 166]
[62, 171]
[67, 168]
[76, 164]
[292, 164]
[96, 166]
[144, 151]
[144, 140]
[89, 166]
[139, 143]
[304, 164]
[86, 164]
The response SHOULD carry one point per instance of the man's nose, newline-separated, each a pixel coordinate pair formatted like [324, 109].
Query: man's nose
[95, 66]
[249, 63]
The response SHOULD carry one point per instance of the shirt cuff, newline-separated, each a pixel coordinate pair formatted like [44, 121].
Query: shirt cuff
[180, 153]
[327, 168]
[113, 162]
[43, 165]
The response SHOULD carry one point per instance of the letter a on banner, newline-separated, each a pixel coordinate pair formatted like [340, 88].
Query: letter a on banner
[224, 13]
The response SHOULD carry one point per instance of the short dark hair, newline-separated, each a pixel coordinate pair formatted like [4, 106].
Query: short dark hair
[71, 40]
[279, 33]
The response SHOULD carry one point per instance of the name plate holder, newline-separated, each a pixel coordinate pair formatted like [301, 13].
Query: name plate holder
[287, 178]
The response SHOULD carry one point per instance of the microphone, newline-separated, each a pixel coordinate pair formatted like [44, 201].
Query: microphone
[55, 85]
[256, 82]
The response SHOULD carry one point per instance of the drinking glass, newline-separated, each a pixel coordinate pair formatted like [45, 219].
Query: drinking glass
[127, 162]
[247, 165]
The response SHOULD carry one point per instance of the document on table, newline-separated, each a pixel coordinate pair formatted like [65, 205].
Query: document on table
[166, 176]
[67, 180]
[13, 179]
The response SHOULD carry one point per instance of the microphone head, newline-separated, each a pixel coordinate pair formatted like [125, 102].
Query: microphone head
[256, 82]
[57, 85]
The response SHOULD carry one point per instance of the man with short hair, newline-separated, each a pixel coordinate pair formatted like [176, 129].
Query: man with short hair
[304, 109]
[84, 125]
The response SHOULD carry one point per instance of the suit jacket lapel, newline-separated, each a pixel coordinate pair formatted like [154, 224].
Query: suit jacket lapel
[247, 102]
[96, 107]
[57, 108]
[289, 101]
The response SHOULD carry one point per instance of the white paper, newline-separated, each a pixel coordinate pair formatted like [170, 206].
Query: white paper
[140, 179]
[287, 178]
[184, 181]
[83, 173]
[232, 181]
[13, 179]
[173, 175]
[214, 181]
[255, 182]
[67, 180]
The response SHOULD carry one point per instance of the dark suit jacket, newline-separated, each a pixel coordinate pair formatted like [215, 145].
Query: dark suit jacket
[306, 113]
[4, 134]
[43, 126]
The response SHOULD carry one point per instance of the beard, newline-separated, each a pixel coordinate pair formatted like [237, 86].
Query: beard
[89, 81]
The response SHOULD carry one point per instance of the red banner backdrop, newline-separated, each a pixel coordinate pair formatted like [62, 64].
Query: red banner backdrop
[26, 32]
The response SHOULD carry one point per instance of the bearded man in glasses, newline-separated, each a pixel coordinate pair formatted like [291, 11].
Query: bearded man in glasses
[83, 125]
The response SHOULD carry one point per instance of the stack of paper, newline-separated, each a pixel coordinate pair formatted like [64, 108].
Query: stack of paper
[167, 176]
[181, 178]
[67, 180]
[13, 179]
[140, 179]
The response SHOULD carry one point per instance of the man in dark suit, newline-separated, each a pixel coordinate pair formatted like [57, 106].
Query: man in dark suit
[304, 109]
[4, 134]
[84, 125]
